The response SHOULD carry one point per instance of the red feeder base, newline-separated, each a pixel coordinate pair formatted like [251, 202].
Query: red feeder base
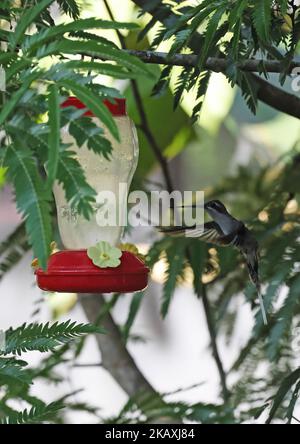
[73, 271]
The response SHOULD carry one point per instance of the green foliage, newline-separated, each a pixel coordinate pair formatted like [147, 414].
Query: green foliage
[78, 191]
[237, 30]
[284, 318]
[32, 92]
[26, 20]
[36, 415]
[135, 304]
[175, 258]
[257, 32]
[85, 129]
[92, 103]
[284, 388]
[147, 409]
[16, 378]
[44, 337]
[172, 139]
[262, 13]
[54, 142]
[12, 372]
[32, 198]
[69, 7]
[13, 249]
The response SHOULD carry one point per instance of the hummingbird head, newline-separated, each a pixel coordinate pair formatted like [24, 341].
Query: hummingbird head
[215, 207]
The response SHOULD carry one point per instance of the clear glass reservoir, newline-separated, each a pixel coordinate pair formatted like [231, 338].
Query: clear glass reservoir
[110, 179]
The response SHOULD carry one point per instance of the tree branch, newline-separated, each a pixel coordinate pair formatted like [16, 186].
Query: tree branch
[116, 359]
[277, 98]
[213, 63]
[266, 92]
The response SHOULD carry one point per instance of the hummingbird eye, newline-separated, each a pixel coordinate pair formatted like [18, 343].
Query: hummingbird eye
[218, 204]
[215, 205]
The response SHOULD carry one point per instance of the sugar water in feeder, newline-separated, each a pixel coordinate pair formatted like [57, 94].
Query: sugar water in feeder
[78, 269]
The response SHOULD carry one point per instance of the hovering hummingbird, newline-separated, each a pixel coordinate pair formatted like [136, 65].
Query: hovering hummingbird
[225, 231]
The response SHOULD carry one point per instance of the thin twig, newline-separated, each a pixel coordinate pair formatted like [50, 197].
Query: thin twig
[213, 341]
[99, 364]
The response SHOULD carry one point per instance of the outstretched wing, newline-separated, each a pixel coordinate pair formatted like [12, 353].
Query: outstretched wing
[209, 232]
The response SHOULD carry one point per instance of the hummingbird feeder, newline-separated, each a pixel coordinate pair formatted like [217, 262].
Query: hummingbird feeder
[90, 262]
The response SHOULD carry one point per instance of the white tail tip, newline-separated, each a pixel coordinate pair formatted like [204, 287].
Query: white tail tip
[262, 308]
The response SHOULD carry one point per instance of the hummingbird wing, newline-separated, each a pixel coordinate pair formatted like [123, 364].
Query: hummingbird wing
[210, 232]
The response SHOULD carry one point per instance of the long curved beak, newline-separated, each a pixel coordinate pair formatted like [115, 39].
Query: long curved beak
[192, 206]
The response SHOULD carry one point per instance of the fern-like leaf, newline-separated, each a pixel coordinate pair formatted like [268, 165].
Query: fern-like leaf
[36, 415]
[12, 372]
[52, 33]
[181, 39]
[93, 104]
[175, 256]
[85, 130]
[26, 20]
[284, 388]
[161, 86]
[13, 255]
[135, 304]
[54, 135]
[203, 82]
[210, 34]
[284, 318]
[181, 85]
[44, 337]
[32, 199]
[69, 7]
[249, 90]
[262, 18]
[79, 194]
[237, 12]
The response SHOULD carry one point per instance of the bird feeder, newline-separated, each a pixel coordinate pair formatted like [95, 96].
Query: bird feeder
[72, 270]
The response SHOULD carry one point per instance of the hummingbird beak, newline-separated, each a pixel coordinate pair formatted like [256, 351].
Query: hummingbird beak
[192, 206]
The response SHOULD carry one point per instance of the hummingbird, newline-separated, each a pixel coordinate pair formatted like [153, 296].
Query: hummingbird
[225, 230]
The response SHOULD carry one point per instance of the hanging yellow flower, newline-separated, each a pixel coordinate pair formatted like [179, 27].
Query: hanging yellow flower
[132, 249]
[53, 249]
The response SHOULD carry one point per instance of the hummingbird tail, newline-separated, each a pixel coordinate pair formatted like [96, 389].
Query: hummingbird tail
[262, 307]
[253, 272]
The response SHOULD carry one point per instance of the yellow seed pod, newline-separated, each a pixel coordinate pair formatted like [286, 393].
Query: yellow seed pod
[53, 247]
[287, 25]
[35, 263]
